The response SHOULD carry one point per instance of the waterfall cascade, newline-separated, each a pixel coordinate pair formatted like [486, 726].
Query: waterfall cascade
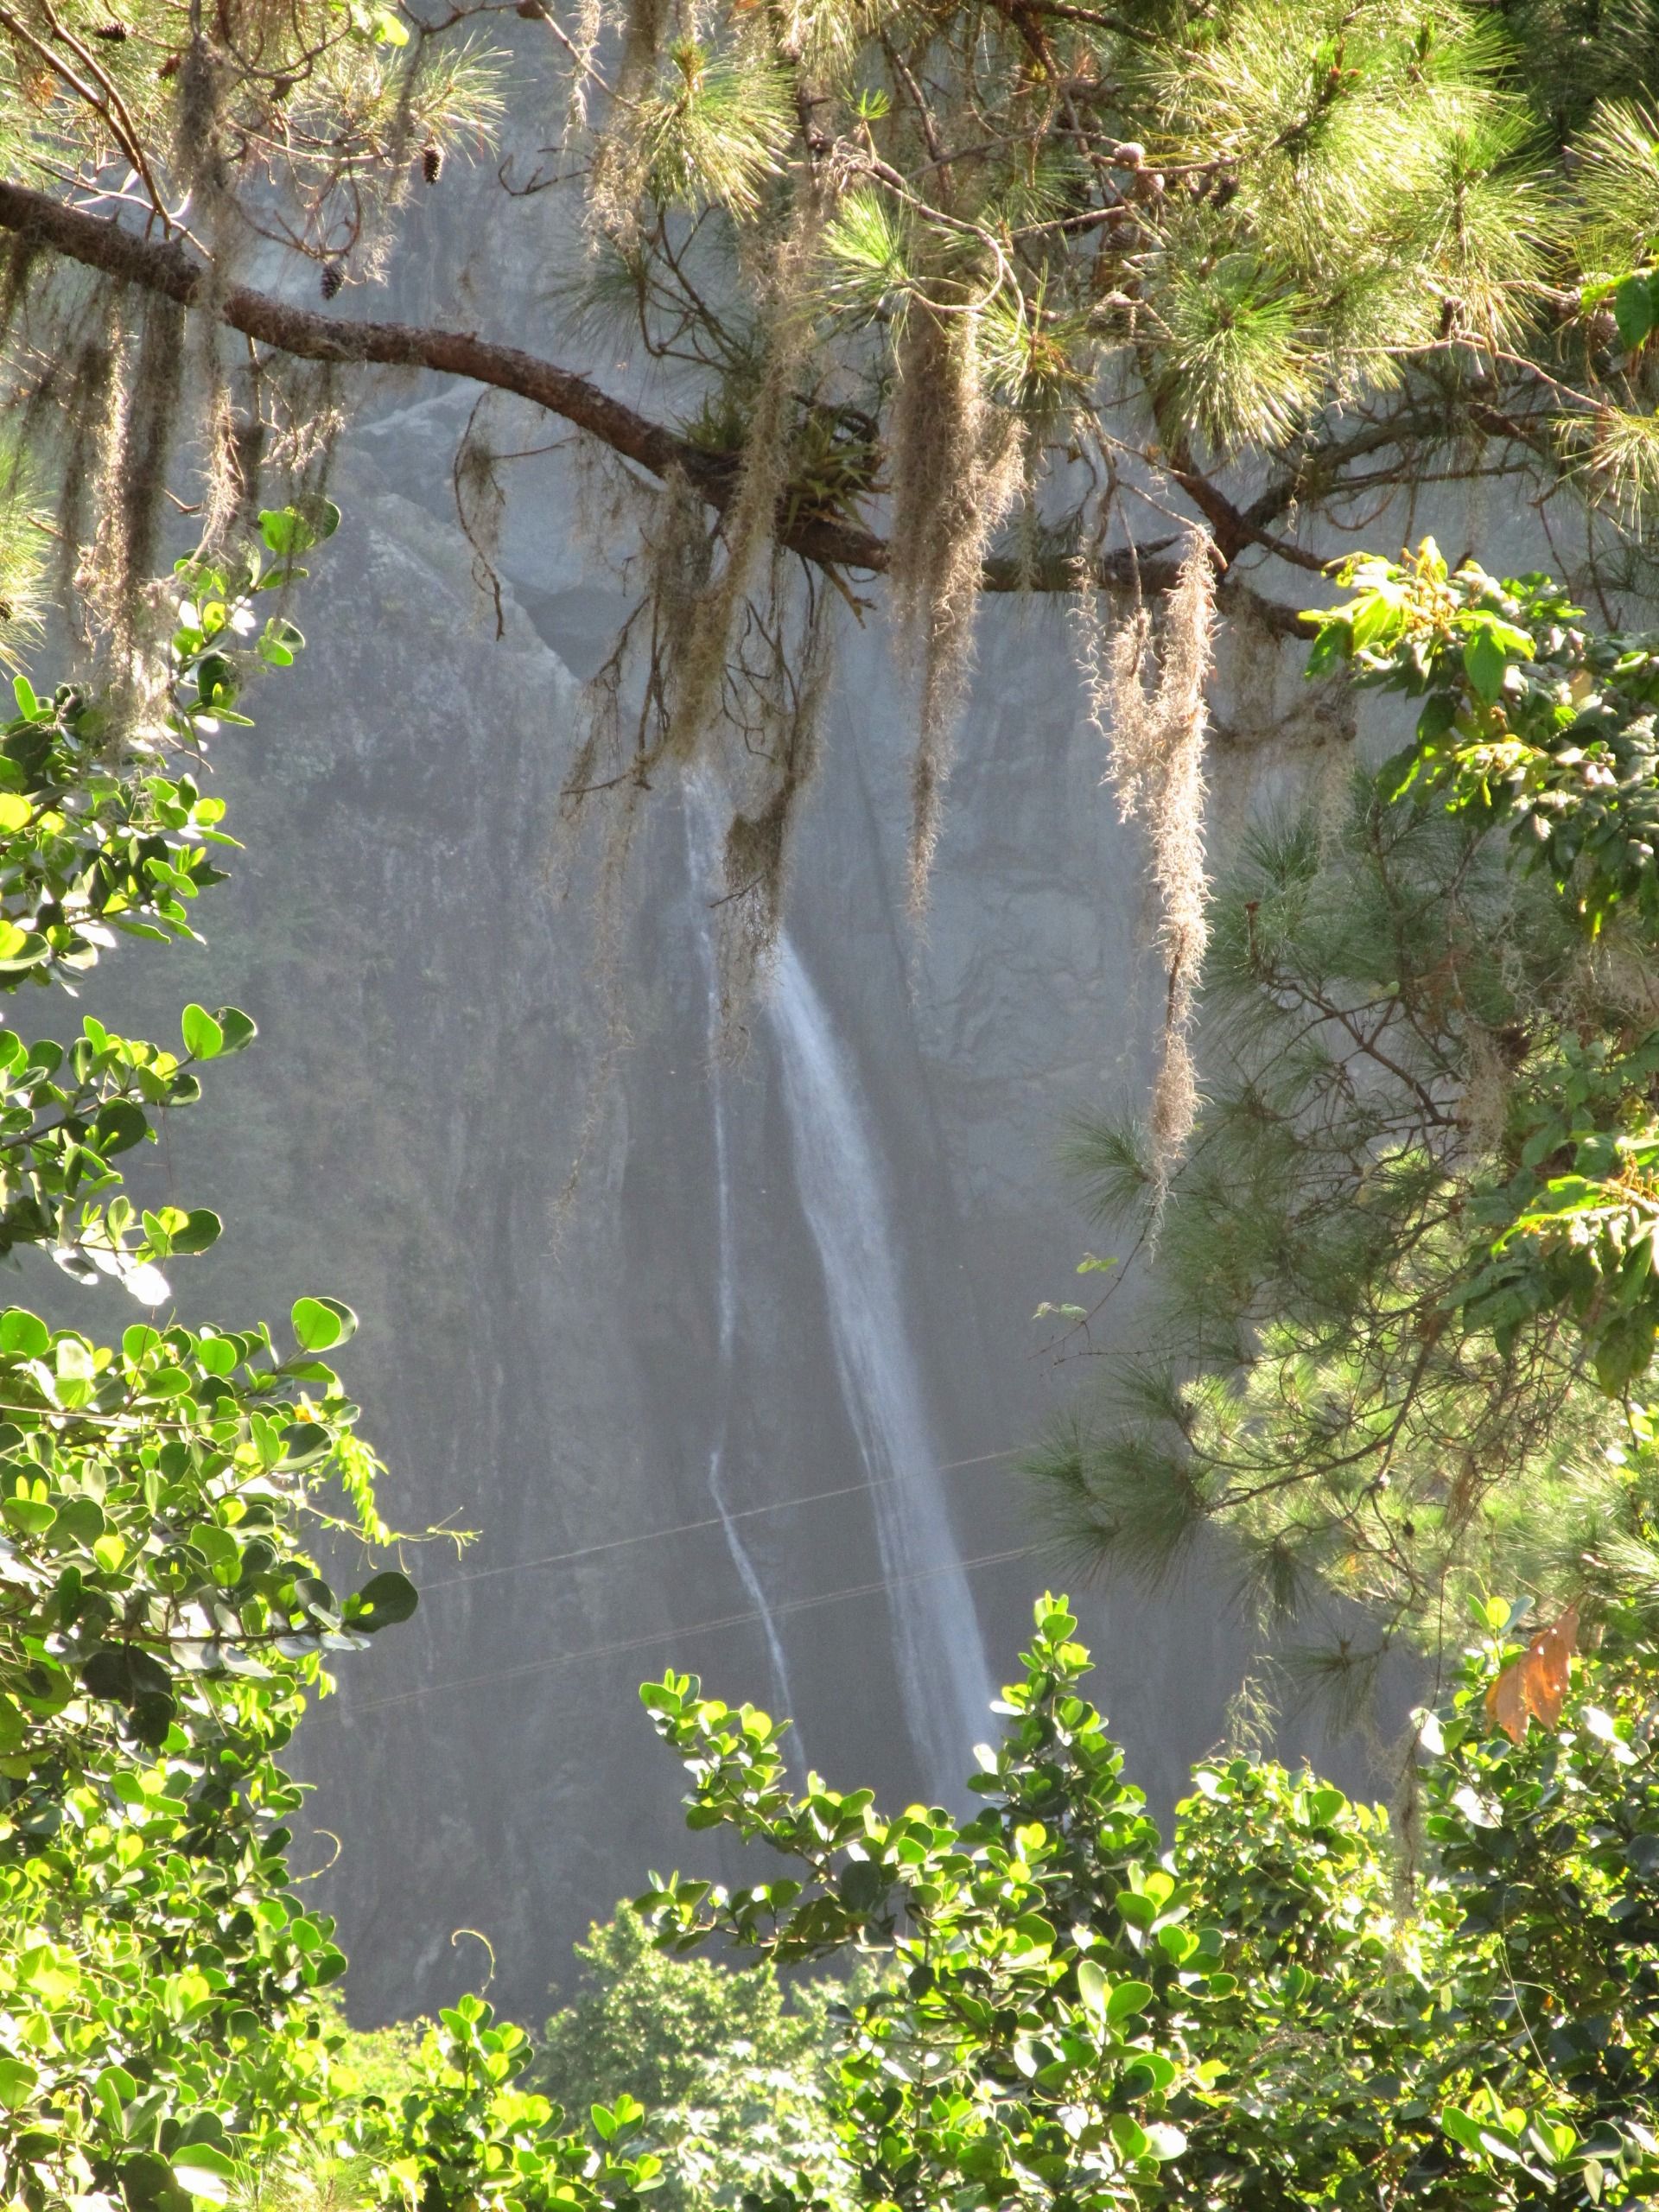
[845, 1195]
[726, 1286]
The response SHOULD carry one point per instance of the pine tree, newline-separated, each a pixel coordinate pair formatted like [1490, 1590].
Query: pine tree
[1402, 1306]
[973, 297]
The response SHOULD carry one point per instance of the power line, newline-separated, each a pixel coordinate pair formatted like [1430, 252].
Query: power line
[696, 1628]
[713, 1521]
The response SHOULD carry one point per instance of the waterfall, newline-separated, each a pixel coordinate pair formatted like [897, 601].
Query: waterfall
[726, 1279]
[843, 1189]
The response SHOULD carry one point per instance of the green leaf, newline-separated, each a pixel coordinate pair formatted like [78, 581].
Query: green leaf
[1127, 1997]
[1092, 1985]
[203, 1038]
[33, 1516]
[204, 2171]
[116, 2091]
[1129, 2136]
[320, 1324]
[50, 1971]
[236, 1028]
[384, 1601]
[1486, 662]
[17, 2078]
[286, 532]
[1633, 311]
[120, 1125]
[202, 1228]
[16, 811]
[1440, 712]
[23, 1334]
[1332, 646]
[1622, 1350]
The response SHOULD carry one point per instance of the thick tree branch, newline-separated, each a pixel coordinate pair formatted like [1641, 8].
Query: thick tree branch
[96, 242]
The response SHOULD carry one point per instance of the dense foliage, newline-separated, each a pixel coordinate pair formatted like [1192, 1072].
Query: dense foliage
[1277, 2010]
[164, 1622]
[728, 2066]
[161, 1620]
[1544, 728]
[1408, 1251]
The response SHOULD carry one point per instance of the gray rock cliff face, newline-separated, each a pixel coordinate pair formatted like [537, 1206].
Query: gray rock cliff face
[661, 1393]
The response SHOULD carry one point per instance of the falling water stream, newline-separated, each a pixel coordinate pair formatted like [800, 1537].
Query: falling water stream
[844, 1192]
[726, 1280]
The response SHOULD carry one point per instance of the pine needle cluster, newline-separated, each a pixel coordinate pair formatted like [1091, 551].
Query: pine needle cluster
[1303, 1372]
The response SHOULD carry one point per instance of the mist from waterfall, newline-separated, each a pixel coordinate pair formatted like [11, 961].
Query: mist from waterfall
[845, 1194]
[726, 1276]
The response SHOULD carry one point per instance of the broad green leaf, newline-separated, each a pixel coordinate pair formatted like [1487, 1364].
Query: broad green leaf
[203, 1038]
[1486, 662]
[32, 1515]
[1129, 2136]
[320, 1324]
[23, 1334]
[384, 1601]
[116, 2091]
[286, 532]
[204, 2171]
[17, 2080]
[202, 1228]
[50, 1971]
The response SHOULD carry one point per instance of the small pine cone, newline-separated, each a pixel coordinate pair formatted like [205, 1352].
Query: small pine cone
[431, 163]
[170, 66]
[333, 278]
[113, 32]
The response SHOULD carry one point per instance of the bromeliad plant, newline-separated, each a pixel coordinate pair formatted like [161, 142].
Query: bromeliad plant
[1280, 2009]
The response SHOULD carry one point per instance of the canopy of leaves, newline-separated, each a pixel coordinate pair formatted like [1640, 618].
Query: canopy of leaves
[730, 2067]
[163, 1620]
[1273, 2011]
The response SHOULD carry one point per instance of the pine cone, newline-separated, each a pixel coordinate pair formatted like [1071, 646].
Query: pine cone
[333, 278]
[431, 163]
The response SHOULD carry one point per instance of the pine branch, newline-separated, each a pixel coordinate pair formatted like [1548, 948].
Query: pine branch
[170, 270]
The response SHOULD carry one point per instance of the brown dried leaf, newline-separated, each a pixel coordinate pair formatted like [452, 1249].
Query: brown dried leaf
[1506, 1701]
[1535, 1685]
[1544, 1670]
